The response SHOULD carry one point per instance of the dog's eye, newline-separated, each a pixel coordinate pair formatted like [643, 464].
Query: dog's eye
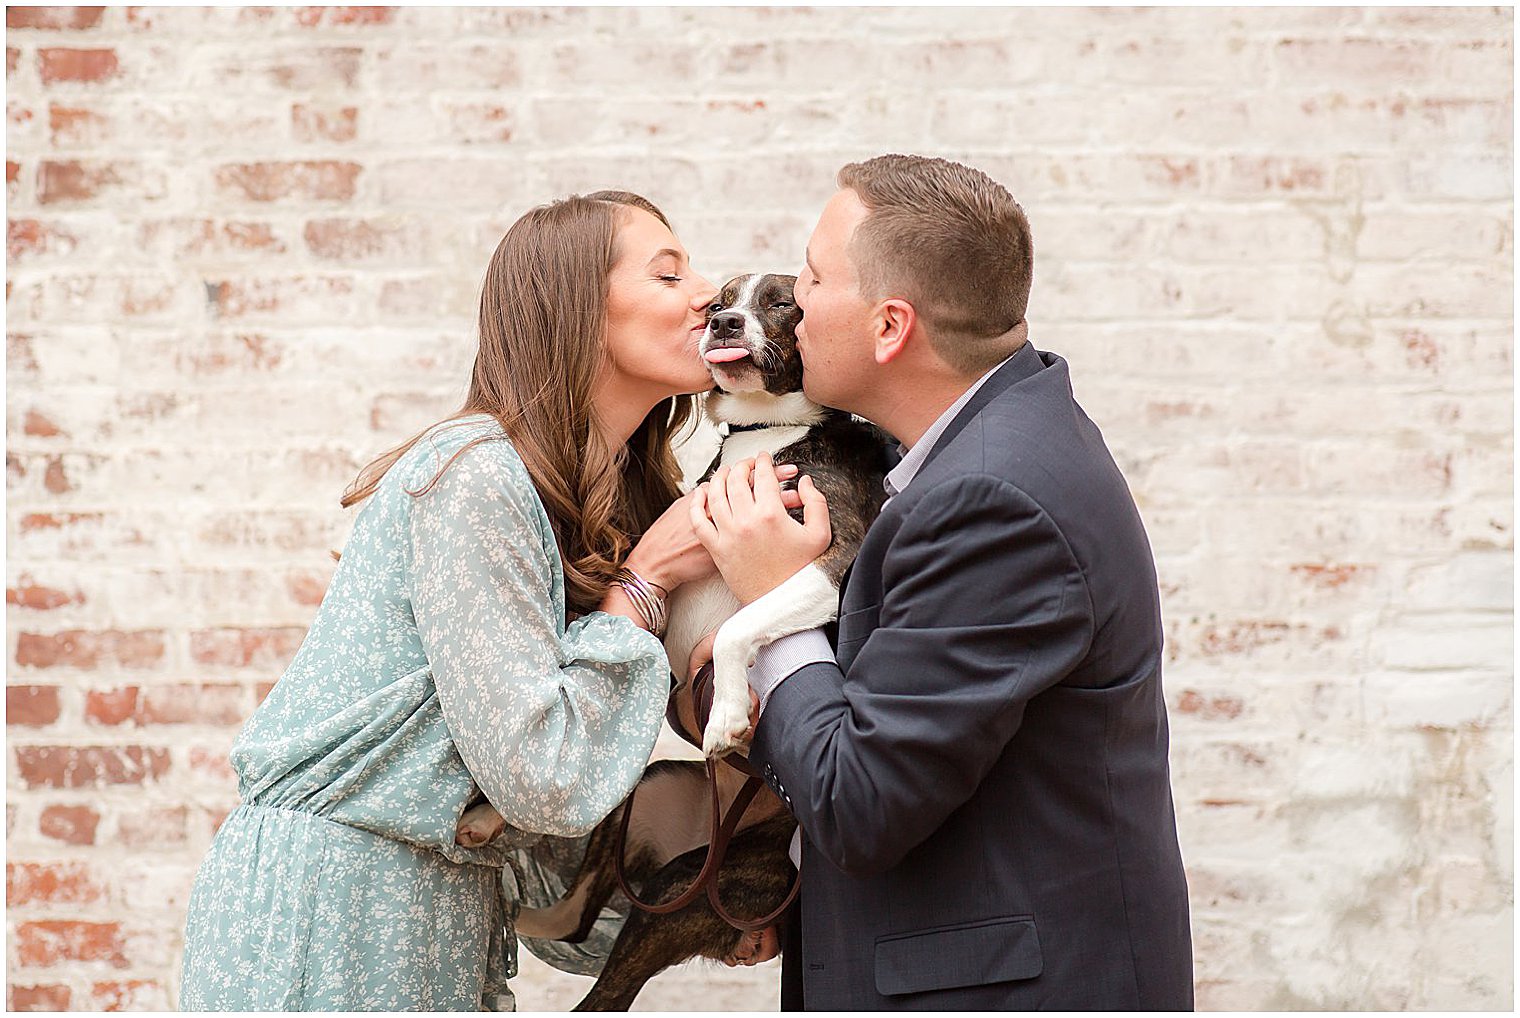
[714, 307]
[782, 304]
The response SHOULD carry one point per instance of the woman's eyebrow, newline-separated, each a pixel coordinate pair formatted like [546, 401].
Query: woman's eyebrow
[666, 251]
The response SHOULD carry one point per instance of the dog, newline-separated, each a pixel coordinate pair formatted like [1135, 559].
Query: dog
[750, 346]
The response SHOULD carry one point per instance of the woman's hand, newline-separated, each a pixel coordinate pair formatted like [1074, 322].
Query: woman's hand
[670, 554]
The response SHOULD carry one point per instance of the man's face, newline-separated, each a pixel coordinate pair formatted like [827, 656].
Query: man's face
[834, 336]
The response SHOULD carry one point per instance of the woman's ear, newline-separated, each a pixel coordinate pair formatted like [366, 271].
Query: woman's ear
[893, 324]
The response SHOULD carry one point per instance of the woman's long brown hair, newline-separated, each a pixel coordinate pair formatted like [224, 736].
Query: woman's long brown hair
[543, 317]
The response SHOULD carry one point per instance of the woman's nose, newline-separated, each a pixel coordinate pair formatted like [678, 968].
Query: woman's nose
[705, 294]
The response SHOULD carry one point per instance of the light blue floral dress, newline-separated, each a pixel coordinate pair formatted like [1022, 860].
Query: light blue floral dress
[438, 667]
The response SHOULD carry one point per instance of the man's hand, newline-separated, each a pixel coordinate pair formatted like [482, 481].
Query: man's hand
[741, 520]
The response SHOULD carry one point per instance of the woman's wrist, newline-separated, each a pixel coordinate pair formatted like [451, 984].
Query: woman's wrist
[652, 573]
[617, 602]
[646, 598]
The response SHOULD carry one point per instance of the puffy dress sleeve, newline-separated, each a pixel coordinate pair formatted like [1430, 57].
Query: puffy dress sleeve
[554, 723]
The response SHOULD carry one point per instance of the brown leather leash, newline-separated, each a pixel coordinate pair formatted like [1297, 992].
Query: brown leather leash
[722, 829]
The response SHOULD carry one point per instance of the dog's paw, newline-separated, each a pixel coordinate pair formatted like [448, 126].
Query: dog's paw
[727, 729]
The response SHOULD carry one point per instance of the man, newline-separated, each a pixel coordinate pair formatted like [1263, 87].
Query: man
[980, 768]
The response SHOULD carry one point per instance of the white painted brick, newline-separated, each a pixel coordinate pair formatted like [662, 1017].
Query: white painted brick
[1275, 246]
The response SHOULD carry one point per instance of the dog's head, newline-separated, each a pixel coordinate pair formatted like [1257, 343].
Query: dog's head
[751, 340]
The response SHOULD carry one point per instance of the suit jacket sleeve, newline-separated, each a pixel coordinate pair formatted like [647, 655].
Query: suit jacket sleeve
[984, 607]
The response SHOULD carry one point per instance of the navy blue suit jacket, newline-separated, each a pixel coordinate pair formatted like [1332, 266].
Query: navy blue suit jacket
[982, 776]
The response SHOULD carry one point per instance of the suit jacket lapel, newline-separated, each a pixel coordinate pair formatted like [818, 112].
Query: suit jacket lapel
[1023, 364]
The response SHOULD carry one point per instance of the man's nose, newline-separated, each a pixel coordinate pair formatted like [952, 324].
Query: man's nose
[727, 325]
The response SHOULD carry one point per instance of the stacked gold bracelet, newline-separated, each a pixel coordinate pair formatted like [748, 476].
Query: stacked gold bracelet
[642, 593]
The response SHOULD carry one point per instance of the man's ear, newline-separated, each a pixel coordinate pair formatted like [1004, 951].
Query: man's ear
[893, 325]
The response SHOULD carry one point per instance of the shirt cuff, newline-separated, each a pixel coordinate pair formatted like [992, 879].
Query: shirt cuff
[775, 661]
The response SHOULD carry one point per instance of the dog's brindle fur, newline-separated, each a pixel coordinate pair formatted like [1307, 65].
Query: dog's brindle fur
[671, 825]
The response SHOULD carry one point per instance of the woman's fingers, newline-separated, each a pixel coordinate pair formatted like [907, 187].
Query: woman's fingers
[700, 524]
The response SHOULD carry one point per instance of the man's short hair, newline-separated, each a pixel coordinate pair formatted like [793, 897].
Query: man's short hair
[952, 242]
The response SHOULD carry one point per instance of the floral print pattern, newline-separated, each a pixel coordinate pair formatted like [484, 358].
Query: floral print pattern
[439, 669]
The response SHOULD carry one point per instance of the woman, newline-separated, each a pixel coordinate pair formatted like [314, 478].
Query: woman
[477, 639]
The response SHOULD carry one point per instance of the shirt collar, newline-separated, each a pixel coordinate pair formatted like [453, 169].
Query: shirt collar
[898, 477]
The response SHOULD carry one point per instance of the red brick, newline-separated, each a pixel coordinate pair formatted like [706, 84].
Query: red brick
[28, 237]
[72, 825]
[1174, 173]
[262, 690]
[314, 180]
[306, 589]
[89, 766]
[353, 239]
[222, 704]
[49, 942]
[155, 827]
[51, 997]
[111, 707]
[49, 883]
[12, 185]
[72, 125]
[193, 238]
[213, 763]
[243, 648]
[57, 521]
[12, 57]
[31, 706]
[1377, 61]
[241, 298]
[72, 180]
[84, 65]
[1209, 708]
[79, 648]
[1329, 577]
[127, 995]
[312, 17]
[55, 479]
[27, 594]
[1253, 175]
[314, 124]
[481, 123]
[40, 426]
[72, 19]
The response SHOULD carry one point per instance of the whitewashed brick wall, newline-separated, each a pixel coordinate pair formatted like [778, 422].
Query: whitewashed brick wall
[244, 251]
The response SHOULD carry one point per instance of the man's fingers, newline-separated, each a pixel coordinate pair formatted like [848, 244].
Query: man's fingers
[815, 509]
[740, 497]
[716, 489]
[767, 485]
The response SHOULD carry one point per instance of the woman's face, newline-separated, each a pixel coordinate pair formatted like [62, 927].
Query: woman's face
[656, 311]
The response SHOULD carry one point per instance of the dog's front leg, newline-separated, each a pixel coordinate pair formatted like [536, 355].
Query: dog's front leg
[806, 600]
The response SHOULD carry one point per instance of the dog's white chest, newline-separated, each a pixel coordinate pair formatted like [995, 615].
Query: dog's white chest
[752, 443]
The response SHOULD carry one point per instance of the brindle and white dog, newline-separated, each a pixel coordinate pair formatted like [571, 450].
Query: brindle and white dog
[750, 346]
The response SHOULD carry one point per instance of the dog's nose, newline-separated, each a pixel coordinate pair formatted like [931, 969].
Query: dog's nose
[728, 325]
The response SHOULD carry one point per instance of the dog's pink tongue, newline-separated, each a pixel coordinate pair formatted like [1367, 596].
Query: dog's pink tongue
[725, 353]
